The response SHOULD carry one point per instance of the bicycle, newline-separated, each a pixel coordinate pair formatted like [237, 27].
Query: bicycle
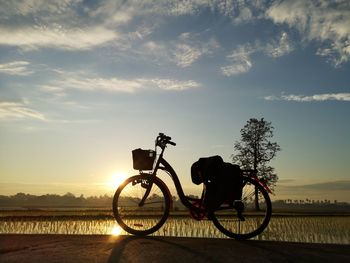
[142, 203]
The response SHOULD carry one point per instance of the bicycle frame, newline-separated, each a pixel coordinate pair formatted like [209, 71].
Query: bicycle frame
[162, 164]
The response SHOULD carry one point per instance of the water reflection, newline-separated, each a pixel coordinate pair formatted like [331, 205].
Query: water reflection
[296, 229]
[116, 231]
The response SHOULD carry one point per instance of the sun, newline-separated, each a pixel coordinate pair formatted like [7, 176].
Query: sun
[116, 179]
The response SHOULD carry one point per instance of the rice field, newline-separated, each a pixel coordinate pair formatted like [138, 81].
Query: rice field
[310, 229]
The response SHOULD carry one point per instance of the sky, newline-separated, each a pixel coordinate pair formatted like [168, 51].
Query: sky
[83, 83]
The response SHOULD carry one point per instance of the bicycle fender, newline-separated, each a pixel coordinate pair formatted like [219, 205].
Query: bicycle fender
[255, 178]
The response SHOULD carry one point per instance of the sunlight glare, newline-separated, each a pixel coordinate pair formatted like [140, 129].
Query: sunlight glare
[116, 231]
[116, 179]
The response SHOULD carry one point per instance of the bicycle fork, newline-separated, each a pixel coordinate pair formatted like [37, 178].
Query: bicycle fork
[148, 186]
[144, 184]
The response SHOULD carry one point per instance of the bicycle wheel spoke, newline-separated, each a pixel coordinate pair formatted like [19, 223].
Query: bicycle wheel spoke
[139, 214]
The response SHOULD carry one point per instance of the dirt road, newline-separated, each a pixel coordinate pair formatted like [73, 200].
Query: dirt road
[99, 248]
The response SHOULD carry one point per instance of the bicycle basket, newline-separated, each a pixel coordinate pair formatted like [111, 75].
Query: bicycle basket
[143, 159]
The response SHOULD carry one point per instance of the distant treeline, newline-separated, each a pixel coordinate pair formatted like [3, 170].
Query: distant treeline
[311, 206]
[53, 200]
[22, 200]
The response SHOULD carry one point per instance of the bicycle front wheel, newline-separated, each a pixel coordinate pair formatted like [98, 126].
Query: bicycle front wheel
[247, 217]
[141, 204]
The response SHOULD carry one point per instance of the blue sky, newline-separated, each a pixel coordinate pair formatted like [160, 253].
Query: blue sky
[82, 83]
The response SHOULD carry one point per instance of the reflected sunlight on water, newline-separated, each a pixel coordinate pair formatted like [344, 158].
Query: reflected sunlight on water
[116, 231]
[313, 229]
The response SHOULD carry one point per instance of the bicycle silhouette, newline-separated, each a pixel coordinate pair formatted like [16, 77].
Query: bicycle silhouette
[141, 204]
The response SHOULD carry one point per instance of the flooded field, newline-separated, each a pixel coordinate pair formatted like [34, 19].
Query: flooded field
[311, 229]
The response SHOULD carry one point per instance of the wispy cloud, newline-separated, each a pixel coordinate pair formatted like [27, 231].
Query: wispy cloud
[16, 110]
[239, 11]
[80, 25]
[16, 68]
[240, 61]
[56, 36]
[185, 55]
[326, 22]
[67, 25]
[240, 58]
[29, 7]
[279, 48]
[334, 185]
[170, 84]
[190, 48]
[316, 97]
[95, 84]
[84, 82]
[183, 51]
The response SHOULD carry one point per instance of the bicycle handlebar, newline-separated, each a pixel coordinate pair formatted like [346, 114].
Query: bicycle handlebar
[162, 140]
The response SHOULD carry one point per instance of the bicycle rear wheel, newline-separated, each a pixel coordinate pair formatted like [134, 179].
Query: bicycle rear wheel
[134, 217]
[247, 217]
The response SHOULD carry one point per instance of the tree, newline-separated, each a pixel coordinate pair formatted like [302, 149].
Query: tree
[255, 150]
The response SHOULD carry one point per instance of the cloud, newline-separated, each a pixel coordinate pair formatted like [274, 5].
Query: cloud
[28, 7]
[113, 12]
[238, 11]
[336, 185]
[316, 97]
[240, 61]
[240, 58]
[56, 90]
[190, 48]
[16, 110]
[83, 25]
[58, 24]
[279, 48]
[326, 22]
[327, 186]
[16, 68]
[185, 55]
[56, 36]
[79, 25]
[95, 84]
[239, 67]
[171, 84]
[84, 82]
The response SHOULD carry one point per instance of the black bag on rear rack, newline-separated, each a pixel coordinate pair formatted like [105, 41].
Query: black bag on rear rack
[222, 181]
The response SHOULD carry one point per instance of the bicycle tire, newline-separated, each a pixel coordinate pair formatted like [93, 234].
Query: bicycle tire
[227, 219]
[146, 219]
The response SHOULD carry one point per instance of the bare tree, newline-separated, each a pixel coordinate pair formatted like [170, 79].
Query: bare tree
[255, 150]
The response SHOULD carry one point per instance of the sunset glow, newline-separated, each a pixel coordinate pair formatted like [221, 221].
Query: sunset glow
[116, 179]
